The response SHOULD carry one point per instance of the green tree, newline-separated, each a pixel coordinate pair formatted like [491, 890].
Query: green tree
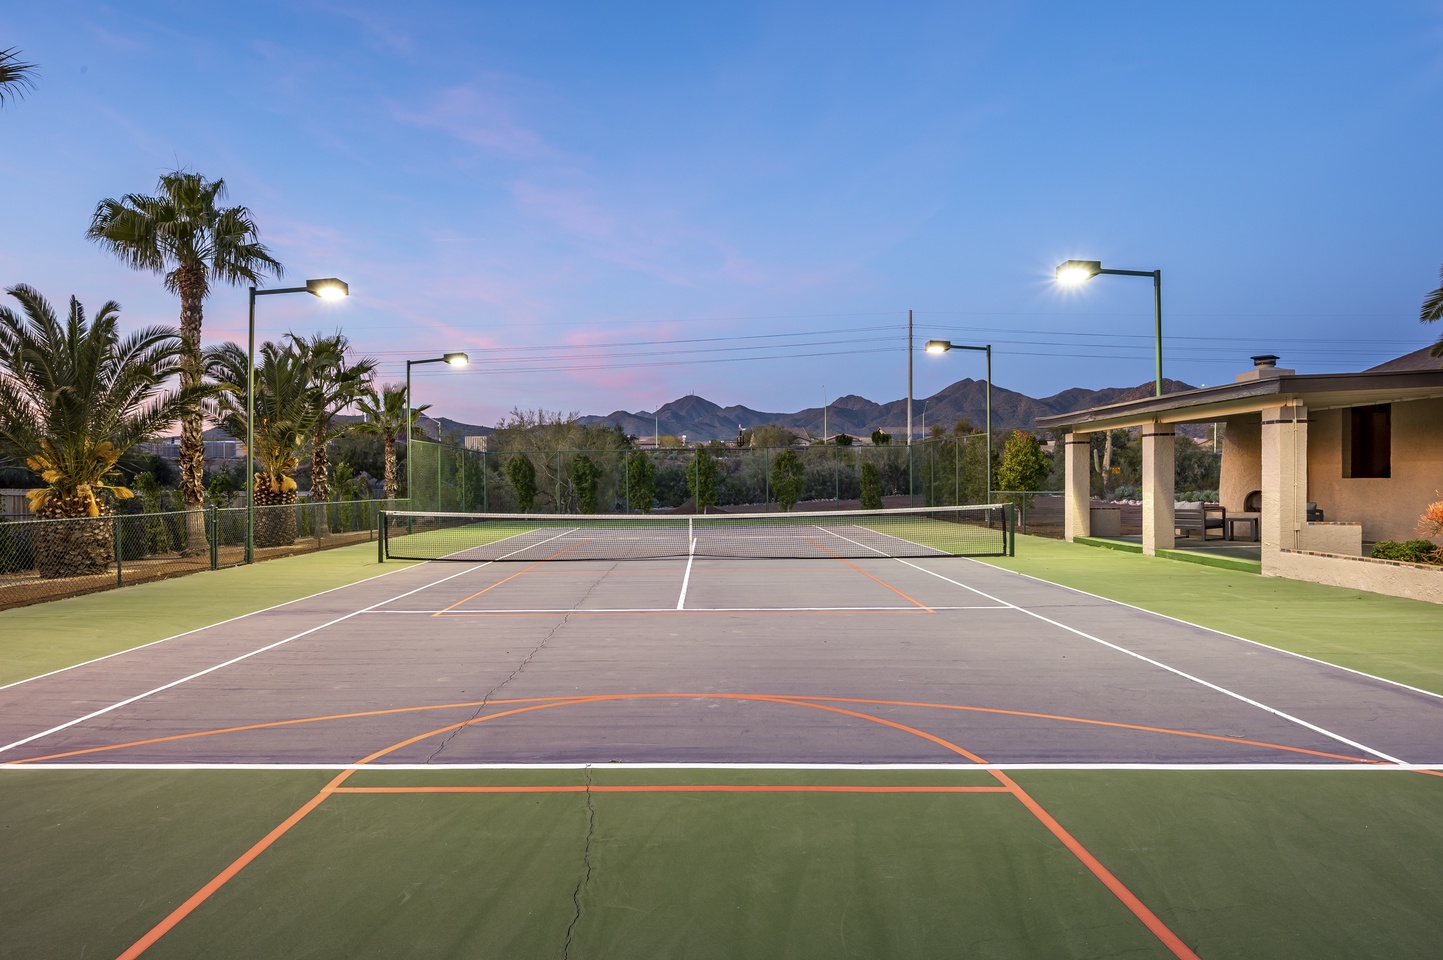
[75, 395]
[336, 382]
[641, 481]
[16, 76]
[844, 440]
[1433, 310]
[183, 235]
[285, 417]
[772, 435]
[385, 414]
[881, 438]
[871, 486]
[521, 474]
[702, 479]
[584, 476]
[788, 476]
[1024, 466]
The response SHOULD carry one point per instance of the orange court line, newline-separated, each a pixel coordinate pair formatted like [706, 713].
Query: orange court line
[868, 575]
[907, 611]
[512, 577]
[682, 696]
[675, 788]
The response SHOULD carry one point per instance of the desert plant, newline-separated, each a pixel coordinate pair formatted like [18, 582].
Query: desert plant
[521, 474]
[584, 476]
[871, 486]
[1408, 551]
[641, 481]
[788, 476]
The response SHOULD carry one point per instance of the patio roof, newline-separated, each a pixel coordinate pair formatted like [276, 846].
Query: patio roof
[1317, 391]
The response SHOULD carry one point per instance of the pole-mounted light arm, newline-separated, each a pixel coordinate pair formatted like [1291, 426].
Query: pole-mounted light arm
[1080, 271]
[452, 359]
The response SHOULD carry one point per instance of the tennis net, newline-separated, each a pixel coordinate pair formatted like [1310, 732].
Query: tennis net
[984, 530]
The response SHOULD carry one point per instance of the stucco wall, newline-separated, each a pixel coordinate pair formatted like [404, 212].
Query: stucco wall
[1414, 581]
[1242, 466]
[1387, 507]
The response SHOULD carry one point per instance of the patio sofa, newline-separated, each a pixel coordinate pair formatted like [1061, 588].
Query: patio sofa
[1194, 516]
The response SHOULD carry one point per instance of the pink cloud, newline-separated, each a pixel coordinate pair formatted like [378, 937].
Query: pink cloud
[480, 118]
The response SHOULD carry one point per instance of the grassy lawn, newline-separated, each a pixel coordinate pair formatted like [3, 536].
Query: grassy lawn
[1387, 636]
[1239, 865]
[48, 636]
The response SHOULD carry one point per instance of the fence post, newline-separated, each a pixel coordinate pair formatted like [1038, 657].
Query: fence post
[485, 486]
[767, 481]
[119, 546]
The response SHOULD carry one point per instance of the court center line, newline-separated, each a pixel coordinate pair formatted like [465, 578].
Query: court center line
[677, 788]
[686, 579]
[564, 611]
[234, 660]
[1170, 669]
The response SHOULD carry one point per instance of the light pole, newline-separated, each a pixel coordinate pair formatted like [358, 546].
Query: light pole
[327, 288]
[942, 346]
[455, 360]
[1080, 271]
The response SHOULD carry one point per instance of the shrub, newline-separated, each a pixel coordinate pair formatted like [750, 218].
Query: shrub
[1408, 551]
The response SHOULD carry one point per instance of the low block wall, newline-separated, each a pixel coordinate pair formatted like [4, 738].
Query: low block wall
[1329, 537]
[1416, 581]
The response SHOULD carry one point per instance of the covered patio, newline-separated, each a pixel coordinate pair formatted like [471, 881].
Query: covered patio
[1365, 448]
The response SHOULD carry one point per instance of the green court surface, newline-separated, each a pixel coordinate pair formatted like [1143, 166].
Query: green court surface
[677, 860]
[1277, 865]
[1389, 637]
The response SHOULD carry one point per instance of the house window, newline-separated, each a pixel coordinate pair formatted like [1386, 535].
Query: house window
[1368, 441]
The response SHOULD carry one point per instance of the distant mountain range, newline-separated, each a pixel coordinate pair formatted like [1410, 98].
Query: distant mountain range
[700, 419]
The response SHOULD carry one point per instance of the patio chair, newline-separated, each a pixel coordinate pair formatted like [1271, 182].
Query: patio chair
[1194, 516]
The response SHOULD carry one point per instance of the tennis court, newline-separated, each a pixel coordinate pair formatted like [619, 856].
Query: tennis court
[905, 755]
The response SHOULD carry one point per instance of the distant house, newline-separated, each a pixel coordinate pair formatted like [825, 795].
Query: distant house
[474, 442]
[1363, 450]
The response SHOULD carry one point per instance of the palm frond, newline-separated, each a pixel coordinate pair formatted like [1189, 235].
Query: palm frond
[16, 76]
[1433, 304]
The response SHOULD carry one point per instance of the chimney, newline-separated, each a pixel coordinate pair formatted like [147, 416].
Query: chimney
[1265, 366]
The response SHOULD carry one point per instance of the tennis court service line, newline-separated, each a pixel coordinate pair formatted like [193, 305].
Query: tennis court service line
[233, 660]
[1170, 669]
[186, 766]
[507, 579]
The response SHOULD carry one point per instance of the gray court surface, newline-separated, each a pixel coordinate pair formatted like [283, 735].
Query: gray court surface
[697, 660]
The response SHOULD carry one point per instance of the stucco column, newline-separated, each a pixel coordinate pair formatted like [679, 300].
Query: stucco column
[1158, 479]
[1077, 516]
[1285, 480]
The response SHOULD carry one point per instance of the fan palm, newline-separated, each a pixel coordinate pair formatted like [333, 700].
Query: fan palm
[16, 76]
[184, 235]
[75, 395]
[1433, 310]
[337, 383]
[285, 417]
[385, 414]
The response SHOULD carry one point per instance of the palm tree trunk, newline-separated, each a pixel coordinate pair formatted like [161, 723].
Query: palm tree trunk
[72, 543]
[320, 481]
[390, 478]
[192, 443]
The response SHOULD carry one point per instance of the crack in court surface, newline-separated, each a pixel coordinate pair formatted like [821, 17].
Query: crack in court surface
[486, 698]
[585, 879]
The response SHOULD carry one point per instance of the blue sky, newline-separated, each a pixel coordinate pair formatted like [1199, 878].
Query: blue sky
[612, 205]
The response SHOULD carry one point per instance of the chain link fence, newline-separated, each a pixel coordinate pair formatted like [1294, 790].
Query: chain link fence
[948, 471]
[48, 559]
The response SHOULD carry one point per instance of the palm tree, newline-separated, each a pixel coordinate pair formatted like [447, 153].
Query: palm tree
[16, 76]
[183, 235]
[1433, 310]
[385, 414]
[285, 417]
[337, 383]
[75, 396]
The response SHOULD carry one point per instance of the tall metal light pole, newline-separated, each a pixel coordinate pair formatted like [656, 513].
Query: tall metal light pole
[942, 346]
[327, 288]
[455, 360]
[1080, 271]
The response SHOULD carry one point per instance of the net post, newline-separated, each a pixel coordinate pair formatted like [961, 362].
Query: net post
[690, 536]
[1012, 530]
[380, 536]
[214, 536]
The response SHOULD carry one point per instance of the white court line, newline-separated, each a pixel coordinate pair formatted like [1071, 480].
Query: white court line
[245, 656]
[681, 600]
[1158, 663]
[1221, 633]
[1358, 767]
[218, 623]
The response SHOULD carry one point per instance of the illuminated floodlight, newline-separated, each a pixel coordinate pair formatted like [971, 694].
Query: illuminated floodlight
[328, 288]
[1078, 271]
